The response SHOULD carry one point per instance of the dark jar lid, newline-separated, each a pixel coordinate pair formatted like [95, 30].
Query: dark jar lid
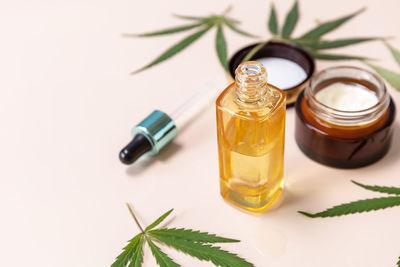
[279, 50]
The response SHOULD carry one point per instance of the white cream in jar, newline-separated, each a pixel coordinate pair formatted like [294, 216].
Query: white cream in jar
[347, 97]
[282, 72]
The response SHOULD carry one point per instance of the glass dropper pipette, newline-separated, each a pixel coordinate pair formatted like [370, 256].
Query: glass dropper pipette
[158, 129]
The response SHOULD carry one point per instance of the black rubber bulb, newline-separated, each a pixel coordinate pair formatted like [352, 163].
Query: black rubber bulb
[135, 149]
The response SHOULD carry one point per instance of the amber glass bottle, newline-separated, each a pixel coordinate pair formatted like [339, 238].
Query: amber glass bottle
[251, 137]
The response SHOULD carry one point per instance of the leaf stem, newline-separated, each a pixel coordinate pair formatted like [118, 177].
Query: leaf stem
[134, 217]
[227, 10]
[253, 51]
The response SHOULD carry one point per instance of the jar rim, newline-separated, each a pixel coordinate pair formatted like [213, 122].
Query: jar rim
[342, 116]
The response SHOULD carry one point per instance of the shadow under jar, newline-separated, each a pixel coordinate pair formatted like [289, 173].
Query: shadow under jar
[344, 137]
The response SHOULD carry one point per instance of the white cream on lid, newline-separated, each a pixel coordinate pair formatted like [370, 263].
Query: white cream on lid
[283, 73]
[347, 97]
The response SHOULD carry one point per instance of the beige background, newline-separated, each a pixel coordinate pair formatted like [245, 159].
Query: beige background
[67, 106]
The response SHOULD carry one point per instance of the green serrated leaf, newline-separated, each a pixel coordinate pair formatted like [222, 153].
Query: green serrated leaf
[326, 27]
[205, 252]
[234, 28]
[253, 51]
[128, 251]
[322, 44]
[162, 259]
[166, 31]
[290, 21]
[381, 189]
[394, 51]
[190, 235]
[159, 220]
[398, 262]
[220, 45]
[335, 56]
[356, 207]
[175, 48]
[194, 243]
[273, 21]
[137, 258]
[188, 17]
[234, 21]
[391, 77]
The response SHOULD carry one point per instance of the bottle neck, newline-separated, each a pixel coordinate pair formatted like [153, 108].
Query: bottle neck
[251, 82]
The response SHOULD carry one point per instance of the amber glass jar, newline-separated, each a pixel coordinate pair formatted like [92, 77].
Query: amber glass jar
[344, 139]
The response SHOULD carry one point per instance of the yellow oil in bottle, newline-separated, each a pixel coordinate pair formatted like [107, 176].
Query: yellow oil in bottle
[251, 131]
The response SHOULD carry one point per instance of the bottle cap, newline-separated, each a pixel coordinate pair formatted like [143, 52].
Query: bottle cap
[149, 136]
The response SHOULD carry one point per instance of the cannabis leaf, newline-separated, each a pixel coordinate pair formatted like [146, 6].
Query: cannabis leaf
[356, 207]
[390, 76]
[194, 243]
[312, 40]
[329, 26]
[201, 25]
[324, 44]
[137, 258]
[394, 51]
[190, 235]
[381, 189]
[128, 252]
[188, 17]
[290, 21]
[335, 57]
[220, 45]
[362, 205]
[203, 251]
[166, 31]
[253, 51]
[161, 258]
[273, 21]
[159, 220]
[175, 48]
[232, 26]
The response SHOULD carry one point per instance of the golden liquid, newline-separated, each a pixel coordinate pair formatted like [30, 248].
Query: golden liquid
[251, 147]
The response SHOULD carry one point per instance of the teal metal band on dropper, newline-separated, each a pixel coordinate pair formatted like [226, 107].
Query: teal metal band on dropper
[158, 128]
